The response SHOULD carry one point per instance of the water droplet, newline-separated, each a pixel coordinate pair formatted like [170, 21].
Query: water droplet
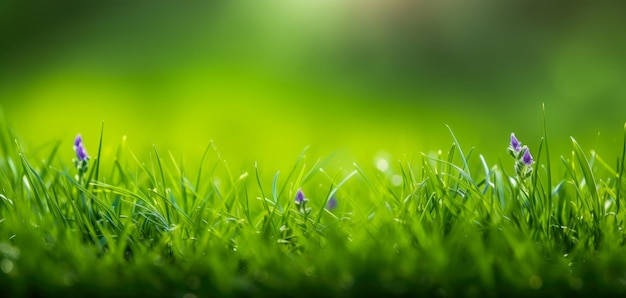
[382, 165]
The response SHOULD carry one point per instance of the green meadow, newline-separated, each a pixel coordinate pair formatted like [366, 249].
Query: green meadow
[322, 148]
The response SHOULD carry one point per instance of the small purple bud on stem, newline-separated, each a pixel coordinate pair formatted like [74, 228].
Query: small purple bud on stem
[81, 153]
[79, 148]
[299, 196]
[527, 158]
[78, 141]
[515, 144]
[332, 203]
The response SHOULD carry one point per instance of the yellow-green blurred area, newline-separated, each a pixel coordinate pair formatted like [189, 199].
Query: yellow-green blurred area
[263, 79]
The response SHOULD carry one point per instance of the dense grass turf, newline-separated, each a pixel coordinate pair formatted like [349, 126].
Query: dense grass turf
[451, 223]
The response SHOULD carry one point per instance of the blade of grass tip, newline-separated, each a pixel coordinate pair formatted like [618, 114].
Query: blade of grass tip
[47, 163]
[332, 193]
[143, 167]
[5, 137]
[293, 169]
[545, 199]
[620, 172]
[247, 205]
[164, 191]
[536, 172]
[117, 162]
[407, 183]
[158, 158]
[31, 176]
[56, 206]
[183, 186]
[603, 163]
[588, 175]
[367, 179]
[258, 181]
[499, 186]
[206, 151]
[456, 142]
[312, 171]
[548, 163]
[97, 163]
[274, 193]
[231, 195]
[412, 176]
[487, 173]
[449, 167]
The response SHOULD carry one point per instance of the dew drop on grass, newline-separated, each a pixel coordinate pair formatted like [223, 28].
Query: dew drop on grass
[382, 165]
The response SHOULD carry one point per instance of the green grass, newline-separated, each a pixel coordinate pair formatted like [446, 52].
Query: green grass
[451, 223]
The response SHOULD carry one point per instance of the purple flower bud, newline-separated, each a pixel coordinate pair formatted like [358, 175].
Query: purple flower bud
[332, 203]
[516, 145]
[527, 158]
[78, 141]
[81, 153]
[299, 196]
[79, 148]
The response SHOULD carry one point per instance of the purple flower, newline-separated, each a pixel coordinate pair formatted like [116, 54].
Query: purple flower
[332, 203]
[81, 153]
[79, 147]
[516, 145]
[527, 158]
[299, 196]
[78, 141]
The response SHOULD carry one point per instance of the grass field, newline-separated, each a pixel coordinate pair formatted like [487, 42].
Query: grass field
[448, 223]
[312, 148]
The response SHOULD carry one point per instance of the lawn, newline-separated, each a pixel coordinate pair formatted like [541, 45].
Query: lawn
[447, 223]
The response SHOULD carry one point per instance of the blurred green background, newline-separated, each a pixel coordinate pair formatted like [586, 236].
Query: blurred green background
[263, 79]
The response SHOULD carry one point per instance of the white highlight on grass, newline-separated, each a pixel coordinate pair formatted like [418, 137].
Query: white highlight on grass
[396, 180]
[607, 204]
[217, 181]
[382, 165]
[6, 199]
[26, 182]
